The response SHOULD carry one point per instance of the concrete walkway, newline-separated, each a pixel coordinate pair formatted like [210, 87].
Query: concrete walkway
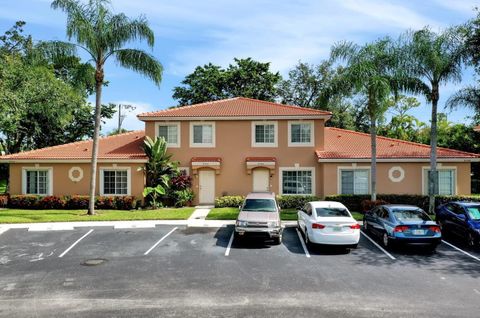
[198, 216]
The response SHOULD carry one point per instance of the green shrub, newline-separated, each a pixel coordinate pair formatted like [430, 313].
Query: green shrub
[51, 202]
[105, 203]
[126, 202]
[183, 197]
[351, 201]
[295, 201]
[229, 201]
[77, 202]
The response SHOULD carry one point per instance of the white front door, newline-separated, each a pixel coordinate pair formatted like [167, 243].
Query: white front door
[206, 186]
[261, 180]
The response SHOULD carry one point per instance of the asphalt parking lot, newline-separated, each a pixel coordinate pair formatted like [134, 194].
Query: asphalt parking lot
[171, 271]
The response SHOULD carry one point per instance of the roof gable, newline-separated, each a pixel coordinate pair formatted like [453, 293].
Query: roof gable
[234, 108]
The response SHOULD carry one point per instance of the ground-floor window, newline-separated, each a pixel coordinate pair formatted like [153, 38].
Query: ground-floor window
[446, 181]
[297, 182]
[354, 181]
[115, 182]
[37, 182]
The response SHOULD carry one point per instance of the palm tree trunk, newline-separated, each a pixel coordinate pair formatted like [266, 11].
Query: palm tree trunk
[373, 138]
[432, 176]
[96, 133]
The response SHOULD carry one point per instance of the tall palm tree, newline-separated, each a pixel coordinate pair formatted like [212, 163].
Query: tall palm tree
[369, 71]
[102, 34]
[433, 59]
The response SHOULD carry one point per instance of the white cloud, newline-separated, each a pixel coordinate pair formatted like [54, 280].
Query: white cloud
[131, 121]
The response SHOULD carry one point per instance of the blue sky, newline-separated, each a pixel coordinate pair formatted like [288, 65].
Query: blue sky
[191, 33]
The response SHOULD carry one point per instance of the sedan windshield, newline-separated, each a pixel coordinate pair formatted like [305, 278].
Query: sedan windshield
[259, 205]
[474, 212]
[410, 215]
[331, 212]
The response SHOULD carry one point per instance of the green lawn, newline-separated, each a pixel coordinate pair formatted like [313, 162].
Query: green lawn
[286, 214]
[33, 216]
[3, 186]
[232, 213]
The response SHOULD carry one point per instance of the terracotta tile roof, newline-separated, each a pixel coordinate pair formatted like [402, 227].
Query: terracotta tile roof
[347, 144]
[236, 107]
[122, 146]
[206, 159]
[476, 128]
[264, 159]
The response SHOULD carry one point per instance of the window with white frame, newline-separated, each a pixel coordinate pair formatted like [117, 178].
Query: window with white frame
[171, 133]
[202, 135]
[446, 181]
[37, 181]
[354, 181]
[115, 182]
[264, 134]
[300, 133]
[297, 182]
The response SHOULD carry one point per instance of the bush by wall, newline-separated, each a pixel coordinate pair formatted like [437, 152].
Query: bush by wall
[229, 201]
[3, 200]
[295, 201]
[76, 202]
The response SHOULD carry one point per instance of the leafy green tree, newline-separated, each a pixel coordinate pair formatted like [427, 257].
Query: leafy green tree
[433, 59]
[402, 125]
[244, 78]
[159, 161]
[369, 71]
[104, 35]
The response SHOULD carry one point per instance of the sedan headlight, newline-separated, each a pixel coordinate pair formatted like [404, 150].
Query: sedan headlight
[241, 223]
[273, 224]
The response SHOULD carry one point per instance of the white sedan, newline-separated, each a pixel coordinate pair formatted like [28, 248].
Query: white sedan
[328, 222]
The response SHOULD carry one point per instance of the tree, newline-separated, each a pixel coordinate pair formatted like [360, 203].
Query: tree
[433, 59]
[103, 35]
[402, 125]
[369, 72]
[245, 78]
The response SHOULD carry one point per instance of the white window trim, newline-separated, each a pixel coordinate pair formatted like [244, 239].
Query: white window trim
[353, 167]
[202, 145]
[282, 169]
[265, 144]
[425, 170]
[179, 132]
[113, 168]
[301, 144]
[50, 179]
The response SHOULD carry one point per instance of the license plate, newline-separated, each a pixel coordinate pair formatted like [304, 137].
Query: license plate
[418, 232]
[337, 228]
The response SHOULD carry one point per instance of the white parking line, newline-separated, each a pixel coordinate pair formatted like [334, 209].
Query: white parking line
[227, 251]
[460, 250]
[76, 242]
[159, 241]
[379, 247]
[305, 249]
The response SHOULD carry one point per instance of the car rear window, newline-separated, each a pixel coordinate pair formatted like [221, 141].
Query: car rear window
[410, 215]
[259, 205]
[474, 212]
[331, 212]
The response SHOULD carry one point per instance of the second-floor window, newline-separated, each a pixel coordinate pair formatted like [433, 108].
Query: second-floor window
[171, 133]
[264, 134]
[202, 135]
[300, 133]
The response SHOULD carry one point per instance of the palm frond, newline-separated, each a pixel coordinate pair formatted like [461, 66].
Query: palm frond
[140, 62]
[467, 97]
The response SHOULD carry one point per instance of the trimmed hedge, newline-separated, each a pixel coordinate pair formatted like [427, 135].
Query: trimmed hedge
[295, 201]
[76, 202]
[229, 201]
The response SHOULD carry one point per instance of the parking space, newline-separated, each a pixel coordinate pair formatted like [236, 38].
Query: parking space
[179, 268]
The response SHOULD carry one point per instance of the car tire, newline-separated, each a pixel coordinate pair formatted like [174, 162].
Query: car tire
[308, 243]
[277, 240]
[365, 226]
[236, 236]
[353, 246]
[386, 242]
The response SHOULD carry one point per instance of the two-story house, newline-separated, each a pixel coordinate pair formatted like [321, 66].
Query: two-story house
[239, 145]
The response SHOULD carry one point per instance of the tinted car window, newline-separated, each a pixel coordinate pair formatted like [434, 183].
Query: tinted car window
[259, 205]
[331, 212]
[410, 215]
[474, 212]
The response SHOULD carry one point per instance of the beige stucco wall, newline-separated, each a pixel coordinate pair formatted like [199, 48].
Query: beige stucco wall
[411, 184]
[234, 144]
[62, 185]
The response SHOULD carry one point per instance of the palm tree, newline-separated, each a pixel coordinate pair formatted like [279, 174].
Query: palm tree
[103, 35]
[433, 59]
[369, 71]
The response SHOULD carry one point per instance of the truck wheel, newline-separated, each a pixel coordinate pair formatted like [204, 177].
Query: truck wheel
[277, 240]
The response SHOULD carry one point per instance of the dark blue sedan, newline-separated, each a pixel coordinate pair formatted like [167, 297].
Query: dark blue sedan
[461, 219]
[407, 224]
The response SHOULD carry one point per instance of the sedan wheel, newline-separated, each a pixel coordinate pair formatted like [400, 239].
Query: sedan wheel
[307, 240]
[386, 240]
